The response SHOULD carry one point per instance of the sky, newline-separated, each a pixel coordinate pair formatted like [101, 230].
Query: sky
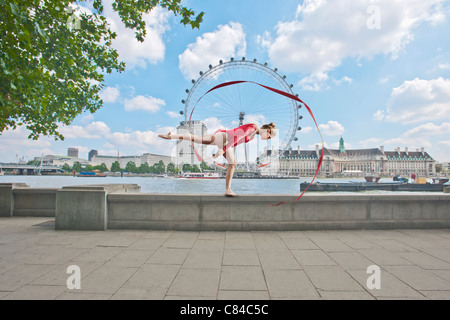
[375, 72]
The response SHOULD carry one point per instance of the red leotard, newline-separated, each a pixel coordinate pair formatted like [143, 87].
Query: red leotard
[242, 134]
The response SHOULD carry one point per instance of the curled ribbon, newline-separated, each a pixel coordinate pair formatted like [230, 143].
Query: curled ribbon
[286, 94]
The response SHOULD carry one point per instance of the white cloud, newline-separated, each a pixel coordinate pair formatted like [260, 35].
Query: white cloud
[87, 118]
[16, 143]
[110, 94]
[379, 115]
[227, 41]
[332, 128]
[326, 32]
[258, 119]
[445, 143]
[144, 103]
[444, 66]
[411, 142]
[307, 129]
[94, 130]
[384, 79]
[344, 79]
[419, 101]
[136, 53]
[371, 143]
[429, 129]
[173, 114]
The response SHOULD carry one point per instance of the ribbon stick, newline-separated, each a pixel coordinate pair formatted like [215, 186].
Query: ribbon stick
[286, 94]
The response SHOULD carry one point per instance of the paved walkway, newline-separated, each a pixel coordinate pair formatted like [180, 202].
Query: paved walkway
[123, 264]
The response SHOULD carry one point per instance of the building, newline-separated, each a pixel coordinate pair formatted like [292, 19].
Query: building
[72, 152]
[184, 151]
[152, 159]
[149, 158]
[359, 162]
[91, 154]
[61, 160]
[109, 160]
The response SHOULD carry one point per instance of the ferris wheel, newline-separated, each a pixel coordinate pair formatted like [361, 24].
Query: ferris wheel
[232, 106]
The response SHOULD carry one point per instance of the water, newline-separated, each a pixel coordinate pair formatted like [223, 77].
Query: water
[167, 185]
[190, 186]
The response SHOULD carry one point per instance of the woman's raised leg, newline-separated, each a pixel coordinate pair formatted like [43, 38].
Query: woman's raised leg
[207, 139]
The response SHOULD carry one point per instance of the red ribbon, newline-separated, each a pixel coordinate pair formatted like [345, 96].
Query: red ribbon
[286, 94]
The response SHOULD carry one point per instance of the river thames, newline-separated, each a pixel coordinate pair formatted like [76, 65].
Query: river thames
[184, 186]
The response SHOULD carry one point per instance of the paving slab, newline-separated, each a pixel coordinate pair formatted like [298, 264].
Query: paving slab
[185, 265]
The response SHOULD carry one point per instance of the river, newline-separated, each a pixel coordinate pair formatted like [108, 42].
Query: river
[186, 186]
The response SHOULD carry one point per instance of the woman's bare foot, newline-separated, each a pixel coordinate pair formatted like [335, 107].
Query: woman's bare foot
[166, 136]
[230, 193]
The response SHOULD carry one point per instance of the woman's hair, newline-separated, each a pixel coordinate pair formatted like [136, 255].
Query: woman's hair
[271, 127]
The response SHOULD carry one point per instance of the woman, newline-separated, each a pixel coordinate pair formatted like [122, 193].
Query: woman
[226, 140]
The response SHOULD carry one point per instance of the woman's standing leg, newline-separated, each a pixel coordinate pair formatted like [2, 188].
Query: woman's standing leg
[230, 171]
[220, 140]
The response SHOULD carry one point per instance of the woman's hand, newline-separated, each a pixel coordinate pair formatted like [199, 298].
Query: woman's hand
[219, 153]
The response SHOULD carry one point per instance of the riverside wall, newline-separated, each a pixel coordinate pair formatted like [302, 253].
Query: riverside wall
[122, 206]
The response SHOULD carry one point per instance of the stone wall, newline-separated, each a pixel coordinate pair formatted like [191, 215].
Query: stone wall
[122, 206]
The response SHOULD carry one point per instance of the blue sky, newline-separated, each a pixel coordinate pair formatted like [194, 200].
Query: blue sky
[376, 72]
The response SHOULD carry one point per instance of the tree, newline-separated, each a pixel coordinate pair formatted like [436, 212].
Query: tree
[144, 168]
[187, 167]
[101, 168]
[66, 167]
[77, 167]
[170, 167]
[131, 167]
[195, 168]
[204, 166]
[53, 58]
[34, 162]
[158, 167]
[88, 168]
[115, 167]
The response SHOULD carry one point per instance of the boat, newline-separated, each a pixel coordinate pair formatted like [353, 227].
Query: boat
[370, 186]
[91, 174]
[372, 179]
[441, 180]
[201, 175]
